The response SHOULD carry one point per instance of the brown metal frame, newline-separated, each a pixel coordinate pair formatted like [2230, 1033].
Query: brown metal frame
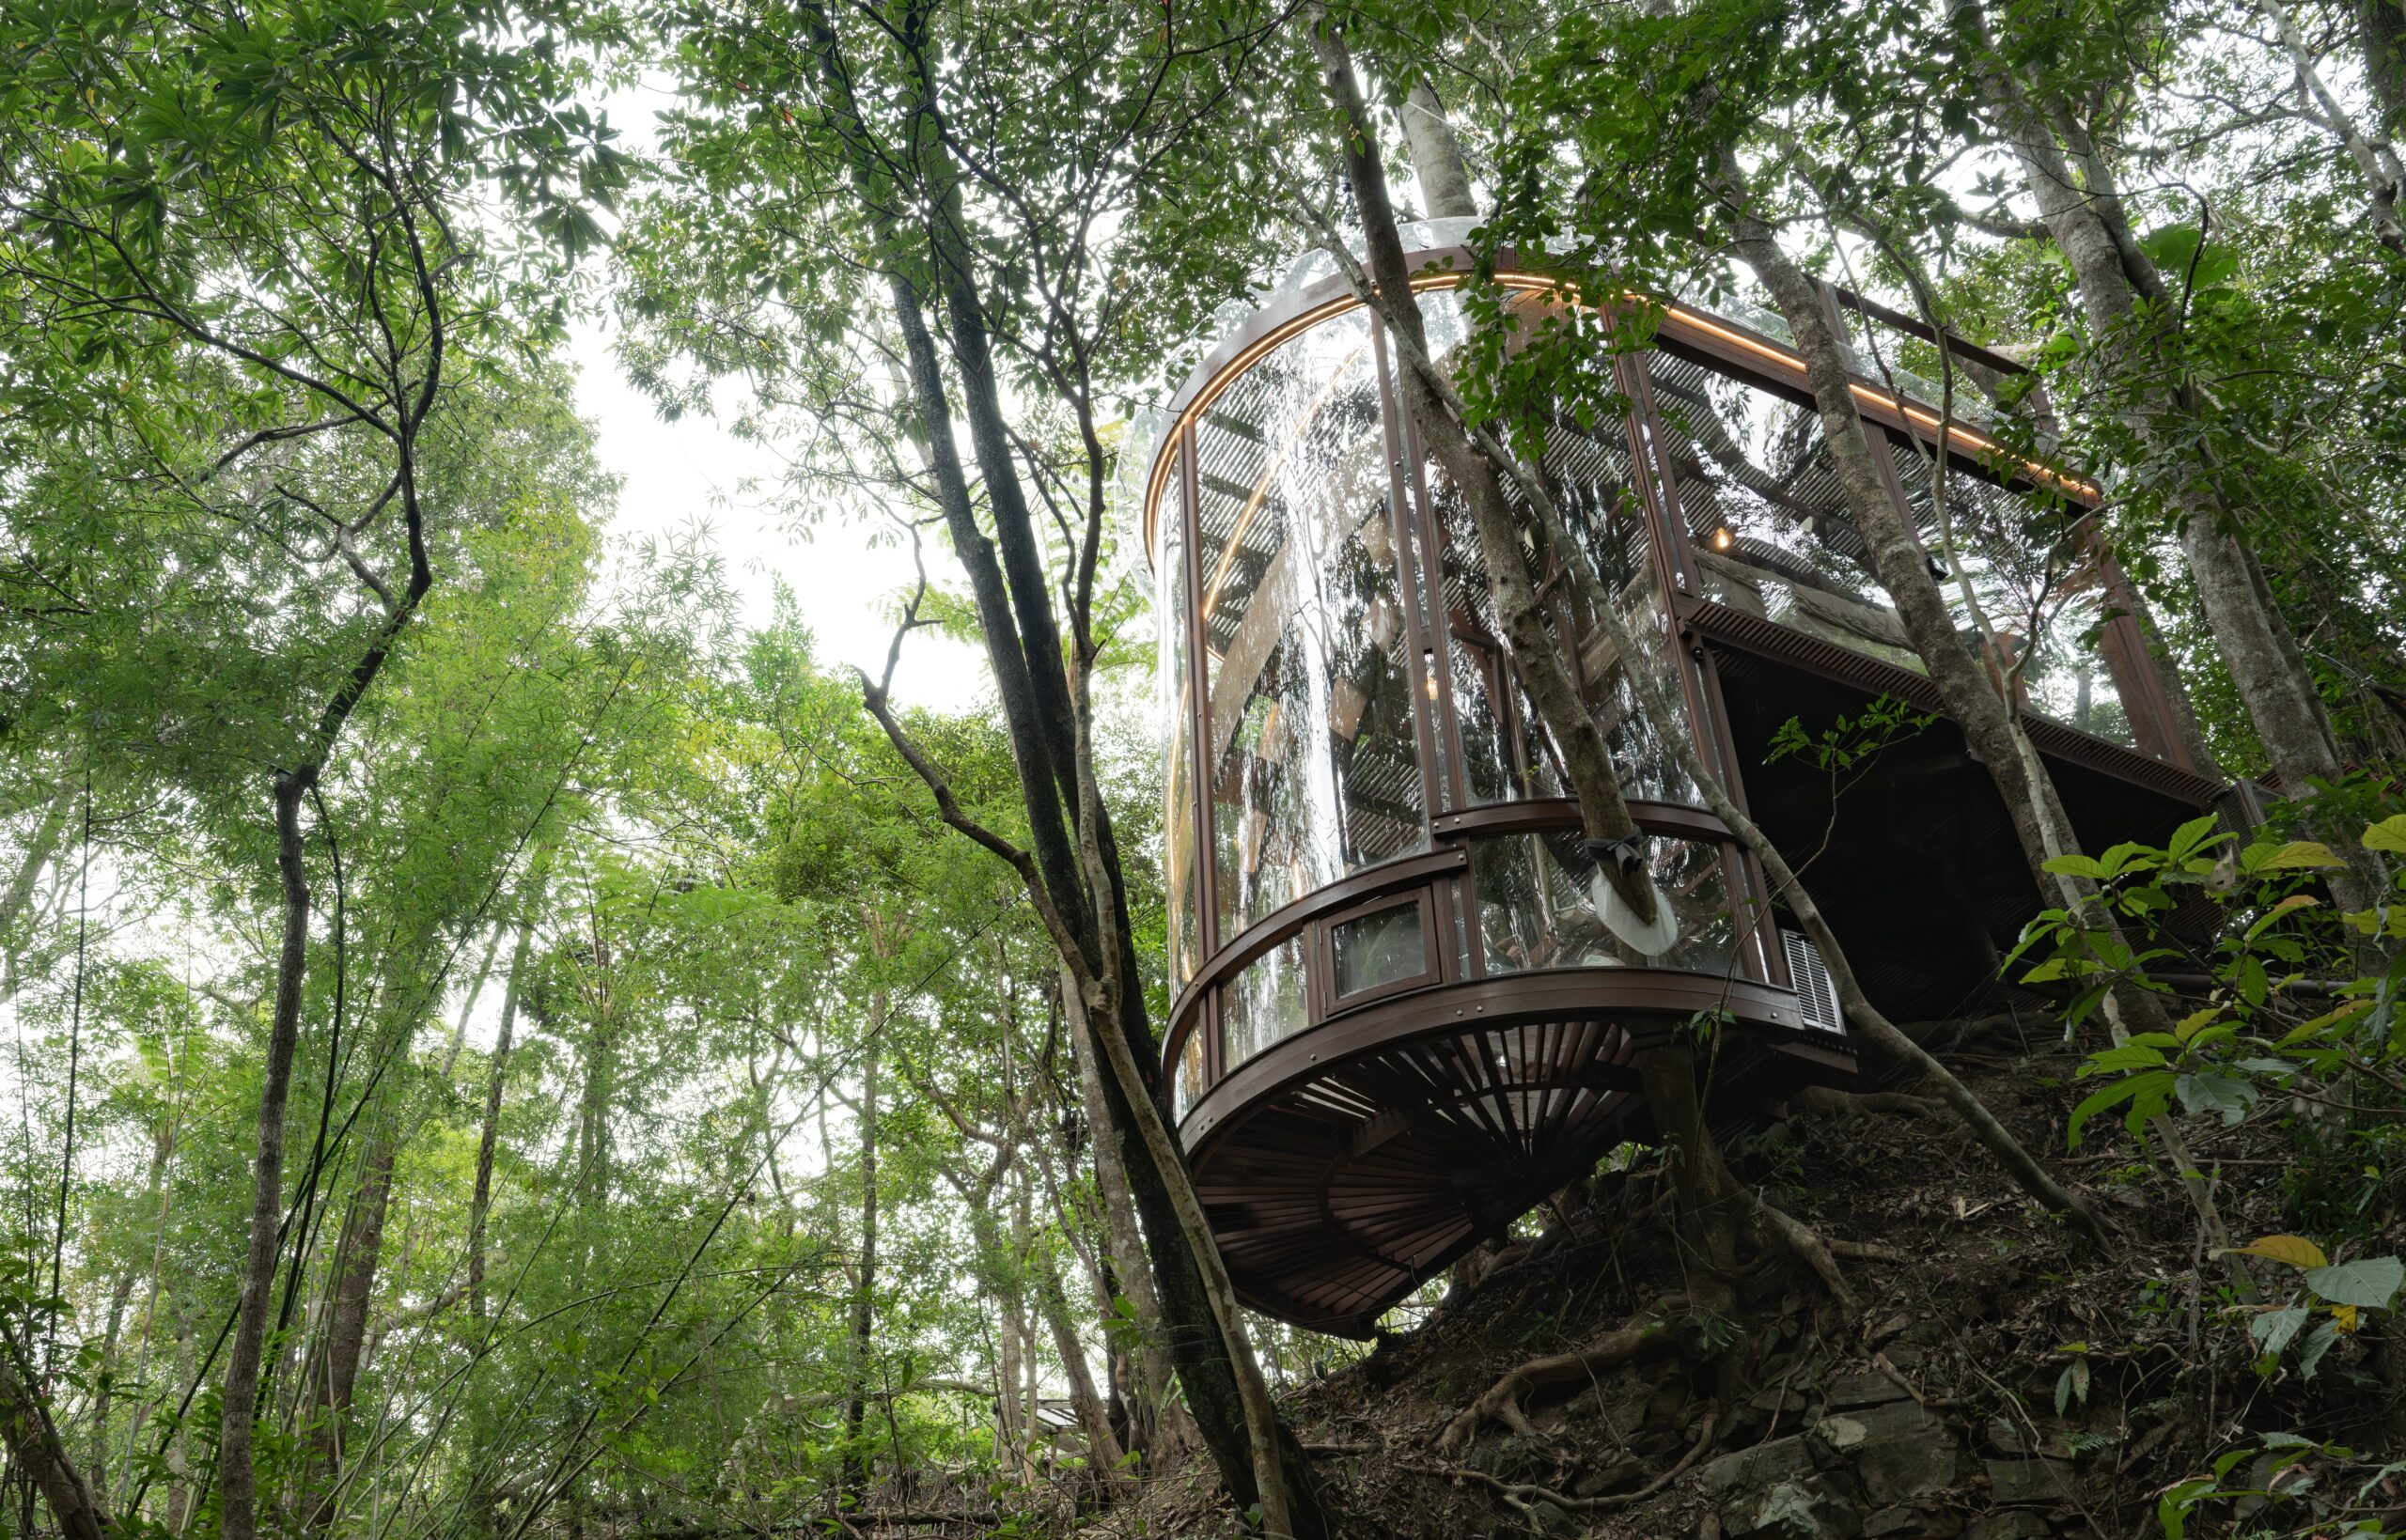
[1664, 995]
[1320, 951]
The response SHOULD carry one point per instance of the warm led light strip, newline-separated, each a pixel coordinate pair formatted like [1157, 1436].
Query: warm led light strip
[1977, 443]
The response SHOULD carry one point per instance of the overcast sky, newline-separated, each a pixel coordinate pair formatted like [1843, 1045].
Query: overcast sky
[692, 472]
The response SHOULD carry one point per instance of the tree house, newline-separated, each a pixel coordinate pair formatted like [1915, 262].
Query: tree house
[1399, 1020]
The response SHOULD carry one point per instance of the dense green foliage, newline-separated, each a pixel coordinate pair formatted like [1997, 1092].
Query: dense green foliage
[685, 1129]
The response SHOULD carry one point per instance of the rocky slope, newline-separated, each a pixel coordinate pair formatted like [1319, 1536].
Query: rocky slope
[1989, 1378]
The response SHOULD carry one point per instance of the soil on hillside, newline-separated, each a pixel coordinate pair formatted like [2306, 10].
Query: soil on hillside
[1997, 1380]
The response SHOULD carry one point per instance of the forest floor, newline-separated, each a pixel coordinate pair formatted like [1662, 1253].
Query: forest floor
[1996, 1380]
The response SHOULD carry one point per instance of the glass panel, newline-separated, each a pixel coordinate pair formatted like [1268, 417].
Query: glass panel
[1266, 1003]
[1178, 872]
[1187, 1088]
[1506, 753]
[1371, 950]
[1534, 909]
[2033, 576]
[1313, 750]
[1764, 512]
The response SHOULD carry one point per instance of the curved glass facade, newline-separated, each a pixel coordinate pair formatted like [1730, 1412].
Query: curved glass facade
[1360, 800]
[1311, 745]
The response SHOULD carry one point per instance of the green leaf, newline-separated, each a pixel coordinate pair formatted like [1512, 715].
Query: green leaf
[2210, 1093]
[2369, 1283]
[2298, 855]
[2154, 1084]
[2317, 1343]
[2273, 1329]
[2388, 835]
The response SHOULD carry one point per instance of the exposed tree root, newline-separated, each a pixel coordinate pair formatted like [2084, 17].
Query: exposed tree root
[1824, 1098]
[1525, 1497]
[1502, 1401]
[1810, 1249]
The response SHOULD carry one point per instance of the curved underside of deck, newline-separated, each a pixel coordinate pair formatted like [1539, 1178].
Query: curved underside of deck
[1346, 1166]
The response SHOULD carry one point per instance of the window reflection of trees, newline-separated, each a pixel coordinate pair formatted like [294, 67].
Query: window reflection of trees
[2040, 586]
[1313, 747]
[1534, 913]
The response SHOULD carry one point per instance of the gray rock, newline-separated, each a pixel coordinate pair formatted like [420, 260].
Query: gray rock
[1762, 1466]
[1905, 1521]
[1616, 1470]
[2008, 1524]
[1774, 1490]
[1899, 1451]
[2029, 1481]
[1622, 1398]
[1868, 1389]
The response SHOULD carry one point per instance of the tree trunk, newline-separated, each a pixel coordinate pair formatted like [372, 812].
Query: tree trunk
[1604, 812]
[2381, 32]
[237, 1483]
[1436, 156]
[1010, 1422]
[1158, 1424]
[855, 1469]
[102, 1394]
[489, 1133]
[2085, 217]
[1702, 1191]
[357, 1253]
[1966, 688]
[37, 1452]
[47, 836]
[1103, 1446]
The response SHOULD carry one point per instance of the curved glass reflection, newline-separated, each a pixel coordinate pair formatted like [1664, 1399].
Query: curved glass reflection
[1312, 746]
[1534, 909]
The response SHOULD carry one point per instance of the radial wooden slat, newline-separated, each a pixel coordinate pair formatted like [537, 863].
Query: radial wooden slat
[1341, 1188]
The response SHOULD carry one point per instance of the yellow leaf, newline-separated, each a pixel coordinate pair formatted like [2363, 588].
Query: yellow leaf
[2345, 1317]
[2297, 855]
[2296, 1250]
[2388, 835]
[2194, 1024]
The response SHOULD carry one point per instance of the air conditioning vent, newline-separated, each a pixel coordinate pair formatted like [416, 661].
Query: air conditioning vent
[1815, 993]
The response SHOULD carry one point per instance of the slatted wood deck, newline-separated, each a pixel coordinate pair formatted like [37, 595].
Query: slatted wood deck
[1347, 1166]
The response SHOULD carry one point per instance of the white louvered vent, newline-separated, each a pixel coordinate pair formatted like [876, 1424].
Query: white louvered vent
[1815, 993]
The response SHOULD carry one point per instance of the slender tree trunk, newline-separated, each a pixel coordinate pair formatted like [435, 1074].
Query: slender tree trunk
[177, 1508]
[1604, 812]
[238, 1484]
[2084, 214]
[1158, 1424]
[47, 836]
[2374, 160]
[855, 1473]
[489, 1133]
[1103, 1445]
[1969, 692]
[41, 1456]
[103, 1395]
[357, 1253]
[1701, 1188]
[1002, 1263]
[2380, 33]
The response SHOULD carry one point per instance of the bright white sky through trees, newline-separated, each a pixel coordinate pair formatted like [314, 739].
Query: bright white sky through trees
[692, 471]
